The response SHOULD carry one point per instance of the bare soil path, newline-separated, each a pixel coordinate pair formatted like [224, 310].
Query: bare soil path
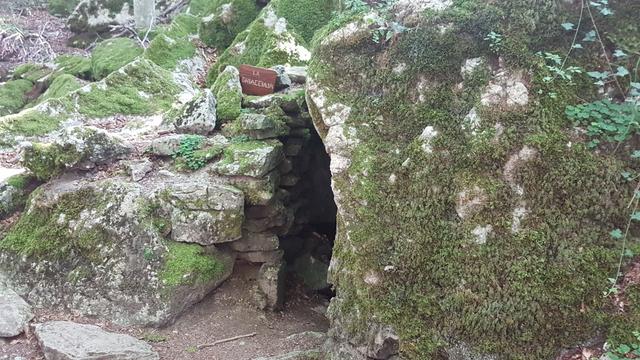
[227, 312]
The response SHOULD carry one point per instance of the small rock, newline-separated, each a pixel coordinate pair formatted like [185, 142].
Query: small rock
[271, 288]
[198, 116]
[139, 169]
[262, 257]
[282, 81]
[256, 242]
[15, 313]
[62, 340]
[297, 74]
[165, 145]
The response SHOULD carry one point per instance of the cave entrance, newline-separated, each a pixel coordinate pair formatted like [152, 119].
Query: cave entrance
[308, 245]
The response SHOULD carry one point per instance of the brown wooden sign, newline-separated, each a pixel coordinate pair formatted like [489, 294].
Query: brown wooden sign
[257, 81]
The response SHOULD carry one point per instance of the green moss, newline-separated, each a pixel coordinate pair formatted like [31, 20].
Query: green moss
[61, 86]
[220, 28]
[202, 8]
[78, 66]
[62, 8]
[19, 181]
[259, 45]
[111, 55]
[48, 160]
[44, 230]
[188, 264]
[141, 88]
[30, 122]
[306, 16]
[12, 96]
[166, 52]
[228, 93]
[522, 295]
[31, 72]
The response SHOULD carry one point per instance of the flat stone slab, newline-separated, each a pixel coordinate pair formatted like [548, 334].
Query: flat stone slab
[15, 313]
[65, 340]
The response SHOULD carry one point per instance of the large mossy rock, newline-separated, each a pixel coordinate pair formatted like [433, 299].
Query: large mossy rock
[12, 95]
[473, 219]
[267, 42]
[101, 248]
[230, 18]
[111, 55]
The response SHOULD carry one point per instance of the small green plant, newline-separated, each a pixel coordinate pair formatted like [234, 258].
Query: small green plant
[626, 351]
[148, 254]
[495, 41]
[191, 349]
[154, 338]
[188, 152]
[606, 120]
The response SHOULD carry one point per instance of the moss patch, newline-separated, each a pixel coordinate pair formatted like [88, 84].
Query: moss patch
[111, 55]
[62, 8]
[228, 92]
[166, 51]
[524, 294]
[61, 86]
[44, 231]
[77, 66]
[30, 122]
[226, 22]
[306, 16]
[12, 96]
[189, 264]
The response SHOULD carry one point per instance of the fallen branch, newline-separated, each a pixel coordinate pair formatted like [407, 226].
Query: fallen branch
[204, 346]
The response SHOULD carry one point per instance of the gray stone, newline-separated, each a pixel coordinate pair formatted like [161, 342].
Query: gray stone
[206, 215]
[65, 340]
[139, 169]
[15, 313]
[257, 191]
[386, 343]
[256, 242]
[254, 159]
[198, 116]
[259, 126]
[261, 257]
[111, 259]
[297, 74]
[165, 145]
[271, 286]
[282, 81]
[81, 147]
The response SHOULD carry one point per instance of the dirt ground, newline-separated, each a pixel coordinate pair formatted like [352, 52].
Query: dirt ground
[31, 34]
[226, 313]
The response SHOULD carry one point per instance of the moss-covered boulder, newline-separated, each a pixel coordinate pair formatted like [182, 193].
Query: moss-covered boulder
[99, 248]
[228, 92]
[75, 148]
[32, 72]
[173, 43]
[267, 42]
[61, 86]
[14, 191]
[111, 55]
[250, 158]
[230, 18]
[306, 16]
[78, 66]
[12, 95]
[474, 221]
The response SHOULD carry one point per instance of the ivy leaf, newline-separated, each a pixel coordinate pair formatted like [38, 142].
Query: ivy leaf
[606, 11]
[635, 154]
[623, 349]
[568, 26]
[622, 71]
[635, 85]
[578, 46]
[629, 253]
[590, 36]
[619, 53]
[635, 216]
[616, 234]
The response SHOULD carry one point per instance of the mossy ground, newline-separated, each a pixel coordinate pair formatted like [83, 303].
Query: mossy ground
[60, 87]
[31, 122]
[189, 264]
[12, 96]
[522, 295]
[77, 66]
[62, 8]
[111, 55]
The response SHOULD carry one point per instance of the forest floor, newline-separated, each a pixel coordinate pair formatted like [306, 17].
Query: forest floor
[227, 312]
